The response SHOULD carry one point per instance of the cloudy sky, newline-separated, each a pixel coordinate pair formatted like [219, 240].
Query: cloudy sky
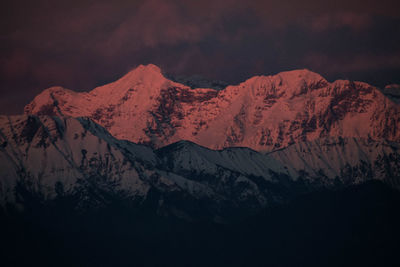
[88, 43]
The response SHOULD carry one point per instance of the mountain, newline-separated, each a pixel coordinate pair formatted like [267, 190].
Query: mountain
[393, 92]
[279, 170]
[264, 113]
[47, 158]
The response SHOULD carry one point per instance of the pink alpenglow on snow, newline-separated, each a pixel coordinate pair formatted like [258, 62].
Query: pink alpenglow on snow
[264, 113]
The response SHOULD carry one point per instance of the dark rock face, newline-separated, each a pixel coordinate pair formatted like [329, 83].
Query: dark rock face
[345, 102]
[168, 113]
[48, 110]
[104, 116]
[30, 129]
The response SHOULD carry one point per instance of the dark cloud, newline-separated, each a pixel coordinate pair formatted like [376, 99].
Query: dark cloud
[83, 44]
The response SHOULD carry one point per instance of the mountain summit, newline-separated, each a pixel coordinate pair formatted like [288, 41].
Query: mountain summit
[264, 113]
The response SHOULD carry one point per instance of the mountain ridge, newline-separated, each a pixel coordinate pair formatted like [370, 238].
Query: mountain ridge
[48, 156]
[264, 113]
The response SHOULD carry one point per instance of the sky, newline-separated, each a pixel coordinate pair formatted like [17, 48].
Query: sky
[83, 44]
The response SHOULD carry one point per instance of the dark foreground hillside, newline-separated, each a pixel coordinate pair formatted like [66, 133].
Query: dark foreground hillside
[356, 226]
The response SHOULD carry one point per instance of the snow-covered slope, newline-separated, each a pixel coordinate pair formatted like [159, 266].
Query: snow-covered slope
[44, 150]
[49, 155]
[264, 113]
[343, 160]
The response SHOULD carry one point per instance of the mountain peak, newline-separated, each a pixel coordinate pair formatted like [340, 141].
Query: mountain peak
[144, 72]
[292, 78]
[297, 79]
[148, 68]
[289, 83]
[146, 78]
[301, 74]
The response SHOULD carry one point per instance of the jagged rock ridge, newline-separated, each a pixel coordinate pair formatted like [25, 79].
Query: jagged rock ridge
[52, 156]
[264, 113]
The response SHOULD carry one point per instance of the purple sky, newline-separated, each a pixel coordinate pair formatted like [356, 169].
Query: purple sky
[86, 44]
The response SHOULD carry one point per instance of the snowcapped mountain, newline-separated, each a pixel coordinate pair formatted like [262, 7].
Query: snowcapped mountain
[47, 150]
[53, 156]
[265, 113]
[200, 153]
